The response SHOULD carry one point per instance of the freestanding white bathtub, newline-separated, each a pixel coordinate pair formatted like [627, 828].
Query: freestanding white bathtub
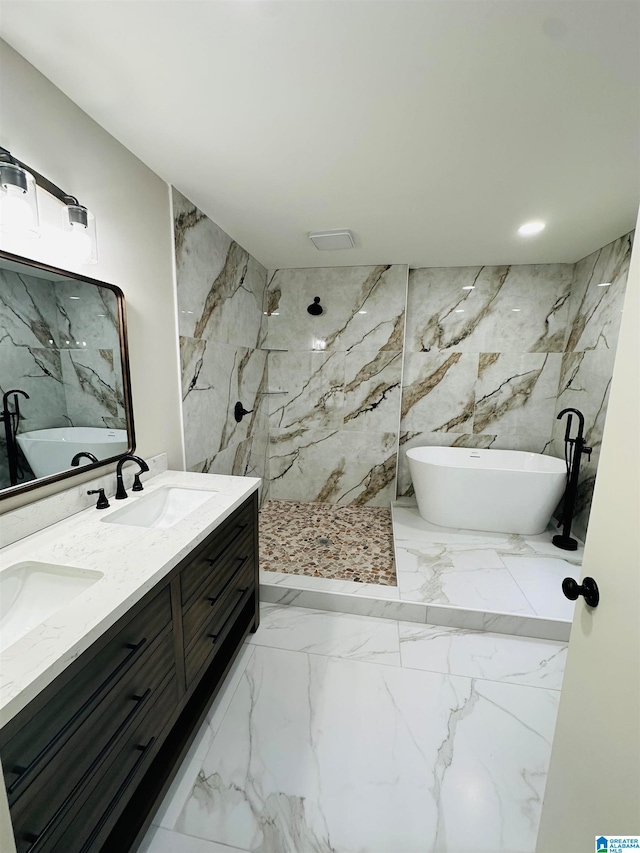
[49, 451]
[507, 491]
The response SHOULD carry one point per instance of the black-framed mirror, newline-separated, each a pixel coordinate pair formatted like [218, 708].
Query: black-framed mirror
[64, 375]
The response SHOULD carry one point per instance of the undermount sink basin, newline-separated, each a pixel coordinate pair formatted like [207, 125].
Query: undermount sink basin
[163, 508]
[31, 592]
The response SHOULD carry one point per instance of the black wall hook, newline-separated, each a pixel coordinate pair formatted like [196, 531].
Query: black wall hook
[239, 412]
[315, 308]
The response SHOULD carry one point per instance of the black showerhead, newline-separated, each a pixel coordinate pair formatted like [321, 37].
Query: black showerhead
[315, 308]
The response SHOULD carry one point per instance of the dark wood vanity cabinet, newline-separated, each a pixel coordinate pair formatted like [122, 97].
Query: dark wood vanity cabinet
[87, 762]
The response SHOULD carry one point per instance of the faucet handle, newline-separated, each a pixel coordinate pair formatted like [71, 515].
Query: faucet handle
[137, 485]
[103, 503]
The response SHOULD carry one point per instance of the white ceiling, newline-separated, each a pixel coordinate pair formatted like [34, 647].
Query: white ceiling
[432, 129]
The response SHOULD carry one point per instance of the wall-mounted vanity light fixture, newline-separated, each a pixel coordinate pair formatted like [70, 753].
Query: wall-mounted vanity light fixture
[18, 199]
[19, 208]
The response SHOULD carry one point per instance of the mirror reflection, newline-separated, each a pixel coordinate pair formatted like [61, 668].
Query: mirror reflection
[61, 374]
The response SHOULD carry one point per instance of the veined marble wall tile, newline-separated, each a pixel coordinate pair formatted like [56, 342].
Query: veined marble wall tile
[91, 320]
[334, 436]
[221, 296]
[220, 285]
[481, 309]
[372, 390]
[214, 377]
[314, 382]
[516, 392]
[585, 381]
[247, 458]
[28, 313]
[438, 391]
[90, 386]
[595, 312]
[335, 466]
[363, 308]
[38, 371]
[587, 366]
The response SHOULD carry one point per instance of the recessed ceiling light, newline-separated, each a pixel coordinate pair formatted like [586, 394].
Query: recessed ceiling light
[327, 241]
[605, 284]
[530, 228]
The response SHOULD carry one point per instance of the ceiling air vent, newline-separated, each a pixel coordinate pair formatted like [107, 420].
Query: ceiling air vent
[327, 241]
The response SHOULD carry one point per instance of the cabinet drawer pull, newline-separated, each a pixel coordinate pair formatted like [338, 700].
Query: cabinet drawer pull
[213, 560]
[143, 697]
[214, 637]
[213, 598]
[135, 648]
[118, 796]
[80, 784]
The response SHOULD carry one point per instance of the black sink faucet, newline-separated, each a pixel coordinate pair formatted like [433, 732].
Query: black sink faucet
[83, 453]
[137, 485]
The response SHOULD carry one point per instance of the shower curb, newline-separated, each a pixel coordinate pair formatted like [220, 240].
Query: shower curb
[287, 593]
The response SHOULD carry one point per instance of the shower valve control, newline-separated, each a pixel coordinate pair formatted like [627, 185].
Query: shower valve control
[589, 588]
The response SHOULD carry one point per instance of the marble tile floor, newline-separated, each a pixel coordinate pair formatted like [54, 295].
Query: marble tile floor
[337, 733]
[519, 575]
[457, 578]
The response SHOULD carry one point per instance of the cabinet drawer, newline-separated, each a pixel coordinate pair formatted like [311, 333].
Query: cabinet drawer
[106, 794]
[60, 782]
[212, 633]
[30, 746]
[216, 547]
[211, 592]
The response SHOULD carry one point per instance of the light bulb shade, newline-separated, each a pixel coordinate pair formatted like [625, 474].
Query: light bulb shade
[79, 226]
[18, 201]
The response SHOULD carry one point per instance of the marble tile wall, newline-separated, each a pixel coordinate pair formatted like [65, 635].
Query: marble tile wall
[335, 382]
[222, 325]
[488, 358]
[493, 354]
[483, 357]
[595, 312]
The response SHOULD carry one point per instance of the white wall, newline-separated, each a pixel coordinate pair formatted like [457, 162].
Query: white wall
[43, 128]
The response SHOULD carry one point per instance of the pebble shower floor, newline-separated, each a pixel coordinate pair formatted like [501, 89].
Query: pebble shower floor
[353, 543]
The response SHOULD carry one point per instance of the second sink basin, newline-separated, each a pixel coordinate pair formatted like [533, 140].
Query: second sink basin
[163, 508]
[31, 592]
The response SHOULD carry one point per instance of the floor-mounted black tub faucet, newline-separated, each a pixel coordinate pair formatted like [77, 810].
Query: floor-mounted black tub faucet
[121, 493]
[11, 420]
[573, 450]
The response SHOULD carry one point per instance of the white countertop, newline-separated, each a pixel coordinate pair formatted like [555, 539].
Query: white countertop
[132, 560]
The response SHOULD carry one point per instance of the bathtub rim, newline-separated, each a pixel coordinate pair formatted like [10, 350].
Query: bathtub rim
[553, 464]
